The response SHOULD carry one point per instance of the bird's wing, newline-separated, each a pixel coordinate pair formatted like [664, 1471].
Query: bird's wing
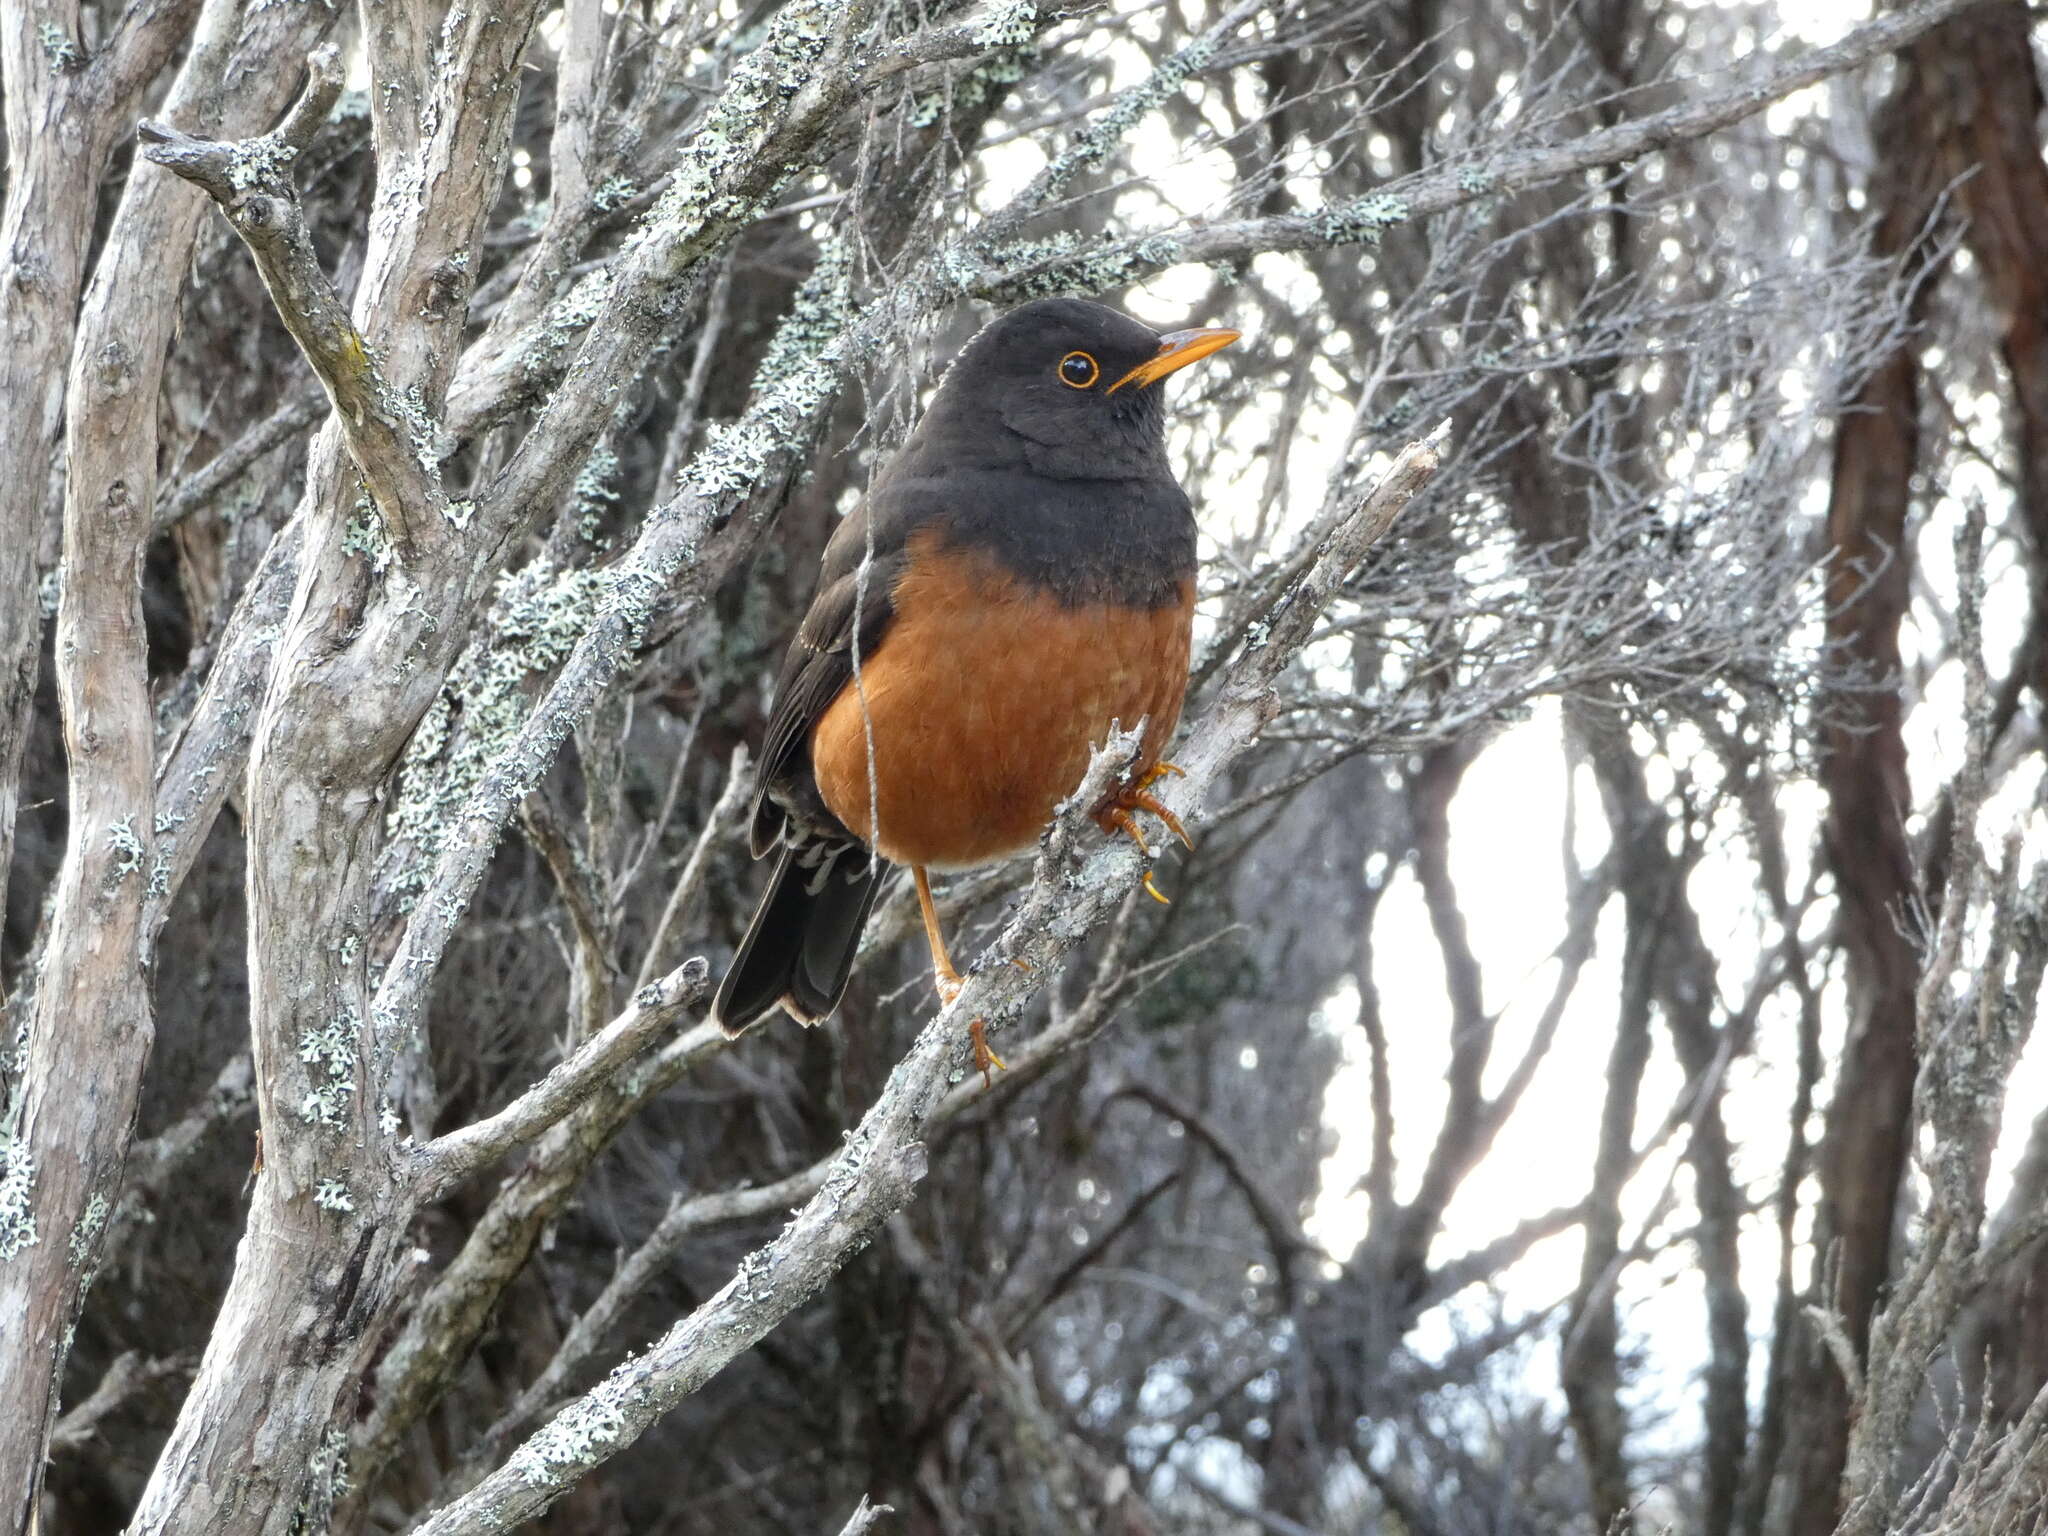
[819, 664]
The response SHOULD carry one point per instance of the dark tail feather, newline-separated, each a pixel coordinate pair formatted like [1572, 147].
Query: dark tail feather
[798, 952]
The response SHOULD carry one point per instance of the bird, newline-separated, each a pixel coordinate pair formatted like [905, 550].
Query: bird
[1019, 578]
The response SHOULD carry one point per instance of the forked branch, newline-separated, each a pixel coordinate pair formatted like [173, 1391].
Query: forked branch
[251, 180]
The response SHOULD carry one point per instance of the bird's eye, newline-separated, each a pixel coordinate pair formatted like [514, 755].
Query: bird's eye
[1079, 370]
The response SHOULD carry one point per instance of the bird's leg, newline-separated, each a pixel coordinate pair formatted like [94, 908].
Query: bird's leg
[944, 976]
[1115, 816]
[948, 981]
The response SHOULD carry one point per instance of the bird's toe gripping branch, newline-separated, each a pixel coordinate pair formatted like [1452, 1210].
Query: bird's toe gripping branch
[1118, 814]
[948, 981]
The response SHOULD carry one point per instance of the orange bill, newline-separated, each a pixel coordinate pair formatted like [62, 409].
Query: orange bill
[1176, 350]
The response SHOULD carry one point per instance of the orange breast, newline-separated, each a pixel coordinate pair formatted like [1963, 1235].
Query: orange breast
[983, 702]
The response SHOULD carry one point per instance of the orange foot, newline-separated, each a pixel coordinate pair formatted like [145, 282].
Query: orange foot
[984, 1058]
[1115, 816]
[986, 1061]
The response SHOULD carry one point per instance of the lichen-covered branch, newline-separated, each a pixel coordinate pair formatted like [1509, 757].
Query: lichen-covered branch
[63, 110]
[1968, 1039]
[444, 1323]
[67, 1131]
[251, 181]
[688, 1216]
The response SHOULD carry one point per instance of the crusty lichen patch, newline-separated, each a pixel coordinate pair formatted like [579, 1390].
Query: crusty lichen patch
[17, 1195]
[364, 535]
[1056, 266]
[126, 846]
[1361, 222]
[733, 131]
[327, 1484]
[63, 54]
[799, 369]
[593, 496]
[329, 1054]
[579, 1432]
[85, 1235]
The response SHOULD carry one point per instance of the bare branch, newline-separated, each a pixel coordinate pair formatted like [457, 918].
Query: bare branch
[447, 1160]
[130, 1374]
[199, 489]
[865, 1518]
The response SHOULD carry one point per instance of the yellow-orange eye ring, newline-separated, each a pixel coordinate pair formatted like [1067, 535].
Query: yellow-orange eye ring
[1079, 370]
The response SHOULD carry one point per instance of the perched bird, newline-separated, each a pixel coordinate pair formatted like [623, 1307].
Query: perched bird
[1029, 578]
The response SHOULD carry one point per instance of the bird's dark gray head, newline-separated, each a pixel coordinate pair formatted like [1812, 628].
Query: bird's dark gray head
[1069, 386]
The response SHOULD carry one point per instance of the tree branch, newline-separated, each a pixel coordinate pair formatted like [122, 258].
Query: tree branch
[1009, 274]
[224, 468]
[387, 436]
[447, 1160]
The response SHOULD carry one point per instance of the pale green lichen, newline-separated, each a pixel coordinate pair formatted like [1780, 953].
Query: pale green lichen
[615, 192]
[329, 1054]
[535, 620]
[446, 66]
[797, 372]
[327, 1484]
[332, 1195]
[727, 142]
[407, 409]
[1362, 221]
[567, 319]
[1058, 265]
[1095, 142]
[364, 535]
[1006, 65]
[1008, 22]
[593, 496]
[17, 1195]
[265, 162]
[123, 842]
[85, 1234]
[579, 1432]
[63, 54]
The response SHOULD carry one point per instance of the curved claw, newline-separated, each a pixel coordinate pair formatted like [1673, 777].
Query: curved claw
[984, 1058]
[1123, 821]
[1145, 802]
[1154, 892]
